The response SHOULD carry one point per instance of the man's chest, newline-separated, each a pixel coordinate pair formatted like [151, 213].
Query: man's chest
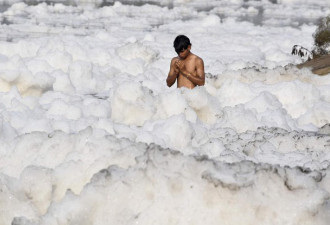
[190, 65]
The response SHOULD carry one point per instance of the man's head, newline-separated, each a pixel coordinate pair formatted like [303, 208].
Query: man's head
[182, 45]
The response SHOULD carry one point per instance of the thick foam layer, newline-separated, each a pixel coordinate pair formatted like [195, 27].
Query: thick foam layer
[90, 133]
[146, 183]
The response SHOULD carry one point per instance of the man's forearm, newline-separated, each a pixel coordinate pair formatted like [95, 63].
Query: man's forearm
[194, 79]
[170, 80]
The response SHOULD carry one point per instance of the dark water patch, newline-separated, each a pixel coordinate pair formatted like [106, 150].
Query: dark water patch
[271, 1]
[258, 18]
[4, 7]
[50, 2]
[5, 21]
[135, 3]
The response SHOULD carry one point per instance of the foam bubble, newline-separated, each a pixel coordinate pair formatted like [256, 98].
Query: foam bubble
[91, 134]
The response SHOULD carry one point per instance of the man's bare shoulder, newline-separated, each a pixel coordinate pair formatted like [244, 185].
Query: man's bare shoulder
[175, 59]
[197, 58]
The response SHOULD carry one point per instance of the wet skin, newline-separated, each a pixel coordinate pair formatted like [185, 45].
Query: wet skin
[188, 69]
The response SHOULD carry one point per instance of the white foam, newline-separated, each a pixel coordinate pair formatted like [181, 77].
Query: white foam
[91, 134]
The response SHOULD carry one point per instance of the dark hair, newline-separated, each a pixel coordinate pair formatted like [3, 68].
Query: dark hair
[181, 42]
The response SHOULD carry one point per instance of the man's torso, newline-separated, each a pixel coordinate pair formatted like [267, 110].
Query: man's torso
[190, 66]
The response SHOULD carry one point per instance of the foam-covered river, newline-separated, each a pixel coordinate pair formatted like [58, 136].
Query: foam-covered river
[91, 135]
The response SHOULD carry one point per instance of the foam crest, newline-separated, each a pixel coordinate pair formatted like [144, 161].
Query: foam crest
[159, 173]
[91, 134]
[132, 104]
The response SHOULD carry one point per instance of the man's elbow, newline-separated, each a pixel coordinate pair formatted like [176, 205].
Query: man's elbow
[169, 83]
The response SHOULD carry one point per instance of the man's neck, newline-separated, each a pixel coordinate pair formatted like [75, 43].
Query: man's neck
[188, 56]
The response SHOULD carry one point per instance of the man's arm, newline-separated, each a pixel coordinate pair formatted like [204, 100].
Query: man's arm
[200, 78]
[173, 74]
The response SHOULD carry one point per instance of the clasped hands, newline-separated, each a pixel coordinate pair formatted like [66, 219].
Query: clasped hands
[180, 67]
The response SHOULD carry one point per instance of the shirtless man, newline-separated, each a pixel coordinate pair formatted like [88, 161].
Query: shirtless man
[187, 67]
